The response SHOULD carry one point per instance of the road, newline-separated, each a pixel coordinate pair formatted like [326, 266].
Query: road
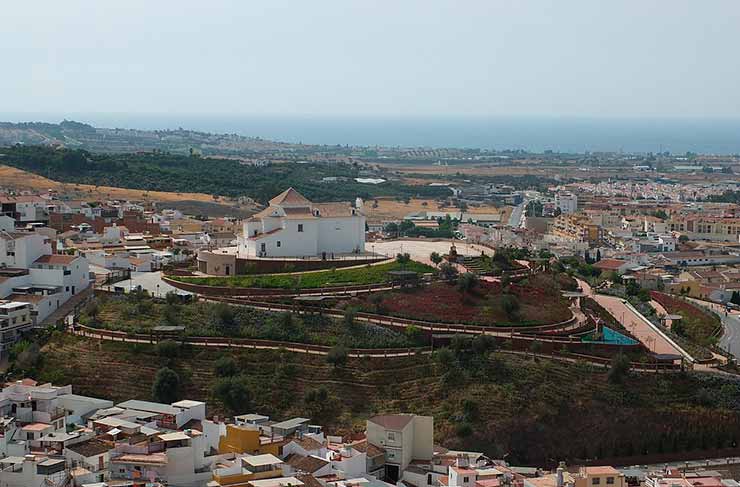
[730, 339]
[515, 220]
[652, 339]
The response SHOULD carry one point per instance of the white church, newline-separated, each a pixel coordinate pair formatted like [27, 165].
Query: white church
[293, 226]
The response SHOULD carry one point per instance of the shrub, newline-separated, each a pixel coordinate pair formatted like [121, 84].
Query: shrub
[168, 349]
[337, 356]
[233, 393]
[510, 304]
[619, 369]
[463, 430]
[226, 367]
[448, 272]
[166, 386]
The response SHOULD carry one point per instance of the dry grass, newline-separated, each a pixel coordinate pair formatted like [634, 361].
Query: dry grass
[16, 179]
[390, 209]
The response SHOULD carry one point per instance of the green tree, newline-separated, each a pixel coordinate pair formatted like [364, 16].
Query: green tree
[435, 258]
[233, 392]
[510, 305]
[403, 259]
[166, 386]
[168, 349]
[467, 282]
[337, 356]
[226, 366]
[619, 369]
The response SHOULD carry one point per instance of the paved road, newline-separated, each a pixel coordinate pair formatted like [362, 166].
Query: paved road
[515, 220]
[730, 339]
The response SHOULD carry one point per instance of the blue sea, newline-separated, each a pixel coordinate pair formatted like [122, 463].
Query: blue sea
[559, 134]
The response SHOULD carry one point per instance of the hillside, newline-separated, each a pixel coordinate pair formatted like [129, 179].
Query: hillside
[513, 405]
[157, 171]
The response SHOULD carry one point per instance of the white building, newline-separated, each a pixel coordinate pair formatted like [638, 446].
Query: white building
[30, 273]
[293, 226]
[404, 437]
[567, 202]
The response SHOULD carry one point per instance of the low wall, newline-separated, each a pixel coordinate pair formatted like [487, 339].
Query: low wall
[273, 266]
[215, 291]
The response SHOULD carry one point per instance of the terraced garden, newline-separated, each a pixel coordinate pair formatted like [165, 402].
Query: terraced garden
[537, 300]
[138, 314]
[370, 274]
[512, 404]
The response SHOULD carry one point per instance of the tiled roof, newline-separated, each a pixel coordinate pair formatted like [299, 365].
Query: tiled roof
[57, 259]
[307, 464]
[308, 444]
[290, 197]
[395, 422]
[90, 448]
[329, 210]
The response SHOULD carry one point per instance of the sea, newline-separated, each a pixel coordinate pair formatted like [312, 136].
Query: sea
[535, 134]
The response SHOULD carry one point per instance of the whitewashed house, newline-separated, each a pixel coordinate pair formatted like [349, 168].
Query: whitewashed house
[293, 226]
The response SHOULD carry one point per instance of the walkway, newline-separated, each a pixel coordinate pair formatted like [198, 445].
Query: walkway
[653, 340]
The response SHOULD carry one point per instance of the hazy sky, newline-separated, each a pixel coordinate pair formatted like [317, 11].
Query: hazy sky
[396, 57]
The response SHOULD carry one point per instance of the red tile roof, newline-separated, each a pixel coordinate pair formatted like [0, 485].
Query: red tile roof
[57, 259]
[290, 197]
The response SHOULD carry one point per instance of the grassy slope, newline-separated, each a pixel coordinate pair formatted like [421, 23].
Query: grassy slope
[529, 409]
[355, 276]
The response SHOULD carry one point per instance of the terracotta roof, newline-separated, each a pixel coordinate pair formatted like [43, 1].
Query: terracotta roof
[58, 259]
[329, 210]
[90, 447]
[371, 451]
[601, 470]
[309, 464]
[309, 480]
[395, 422]
[610, 264]
[290, 197]
[308, 444]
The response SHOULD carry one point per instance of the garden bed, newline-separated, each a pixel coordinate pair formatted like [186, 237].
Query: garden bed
[486, 304]
[141, 315]
[697, 325]
[365, 275]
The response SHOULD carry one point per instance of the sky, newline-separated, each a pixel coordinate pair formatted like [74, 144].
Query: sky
[625, 58]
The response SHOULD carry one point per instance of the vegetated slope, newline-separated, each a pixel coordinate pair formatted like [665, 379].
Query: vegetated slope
[18, 179]
[167, 172]
[534, 411]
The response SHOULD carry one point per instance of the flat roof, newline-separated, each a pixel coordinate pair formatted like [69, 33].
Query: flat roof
[177, 435]
[153, 407]
[187, 403]
[260, 460]
[291, 423]
[276, 482]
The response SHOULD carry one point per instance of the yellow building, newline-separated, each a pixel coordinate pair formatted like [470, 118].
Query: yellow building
[599, 477]
[243, 439]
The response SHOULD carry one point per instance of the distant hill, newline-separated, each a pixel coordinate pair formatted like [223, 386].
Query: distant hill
[73, 134]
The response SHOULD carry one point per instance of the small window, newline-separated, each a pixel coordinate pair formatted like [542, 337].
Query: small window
[278, 243]
[300, 227]
[391, 436]
[466, 480]
[595, 481]
[610, 481]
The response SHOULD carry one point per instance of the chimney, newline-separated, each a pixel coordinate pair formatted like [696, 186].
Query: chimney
[559, 471]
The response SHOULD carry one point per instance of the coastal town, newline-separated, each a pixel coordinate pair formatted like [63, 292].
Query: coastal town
[628, 280]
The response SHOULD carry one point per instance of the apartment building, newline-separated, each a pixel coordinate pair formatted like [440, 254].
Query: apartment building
[576, 227]
[404, 437]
